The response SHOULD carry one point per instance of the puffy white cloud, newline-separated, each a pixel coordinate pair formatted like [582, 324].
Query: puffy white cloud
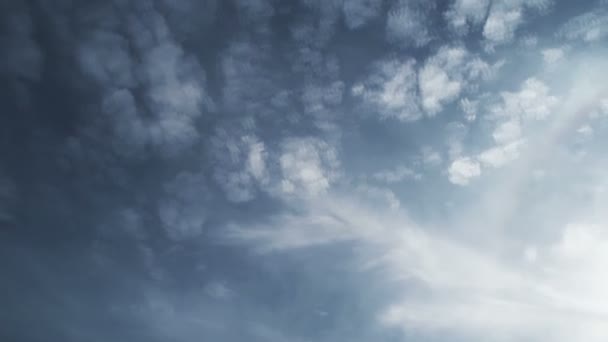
[446, 75]
[501, 155]
[466, 13]
[398, 90]
[589, 27]
[436, 87]
[240, 163]
[392, 88]
[501, 24]
[308, 166]
[463, 169]
[505, 17]
[532, 102]
[406, 23]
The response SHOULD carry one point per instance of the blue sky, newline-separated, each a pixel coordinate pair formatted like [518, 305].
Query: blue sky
[293, 171]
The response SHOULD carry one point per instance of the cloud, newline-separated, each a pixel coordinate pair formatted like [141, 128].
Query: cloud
[240, 163]
[446, 75]
[308, 166]
[392, 90]
[553, 56]
[507, 131]
[505, 17]
[247, 81]
[436, 88]
[532, 102]
[464, 14]
[406, 23]
[449, 286]
[384, 198]
[398, 174]
[501, 155]
[358, 13]
[469, 107]
[171, 84]
[183, 210]
[456, 133]
[501, 24]
[462, 170]
[588, 27]
[430, 157]
[218, 290]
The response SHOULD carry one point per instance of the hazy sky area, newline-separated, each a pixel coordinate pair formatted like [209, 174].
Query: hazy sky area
[304, 170]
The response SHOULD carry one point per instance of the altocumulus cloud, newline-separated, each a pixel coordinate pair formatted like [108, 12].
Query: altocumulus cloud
[303, 170]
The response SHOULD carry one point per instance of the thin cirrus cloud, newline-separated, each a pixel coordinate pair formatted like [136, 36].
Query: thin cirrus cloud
[304, 170]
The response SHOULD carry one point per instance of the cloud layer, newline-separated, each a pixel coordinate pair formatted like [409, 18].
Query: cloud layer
[362, 170]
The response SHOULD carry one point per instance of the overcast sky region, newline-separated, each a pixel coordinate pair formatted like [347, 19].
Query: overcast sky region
[304, 170]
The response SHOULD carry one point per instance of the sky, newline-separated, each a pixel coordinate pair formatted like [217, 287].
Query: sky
[303, 170]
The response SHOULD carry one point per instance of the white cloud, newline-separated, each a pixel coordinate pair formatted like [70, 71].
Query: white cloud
[448, 73]
[506, 16]
[436, 87]
[470, 108]
[464, 289]
[507, 132]
[308, 166]
[392, 88]
[466, 13]
[501, 24]
[553, 56]
[462, 170]
[240, 163]
[532, 102]
[501, 155]
[396, 175]
[589, 27]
